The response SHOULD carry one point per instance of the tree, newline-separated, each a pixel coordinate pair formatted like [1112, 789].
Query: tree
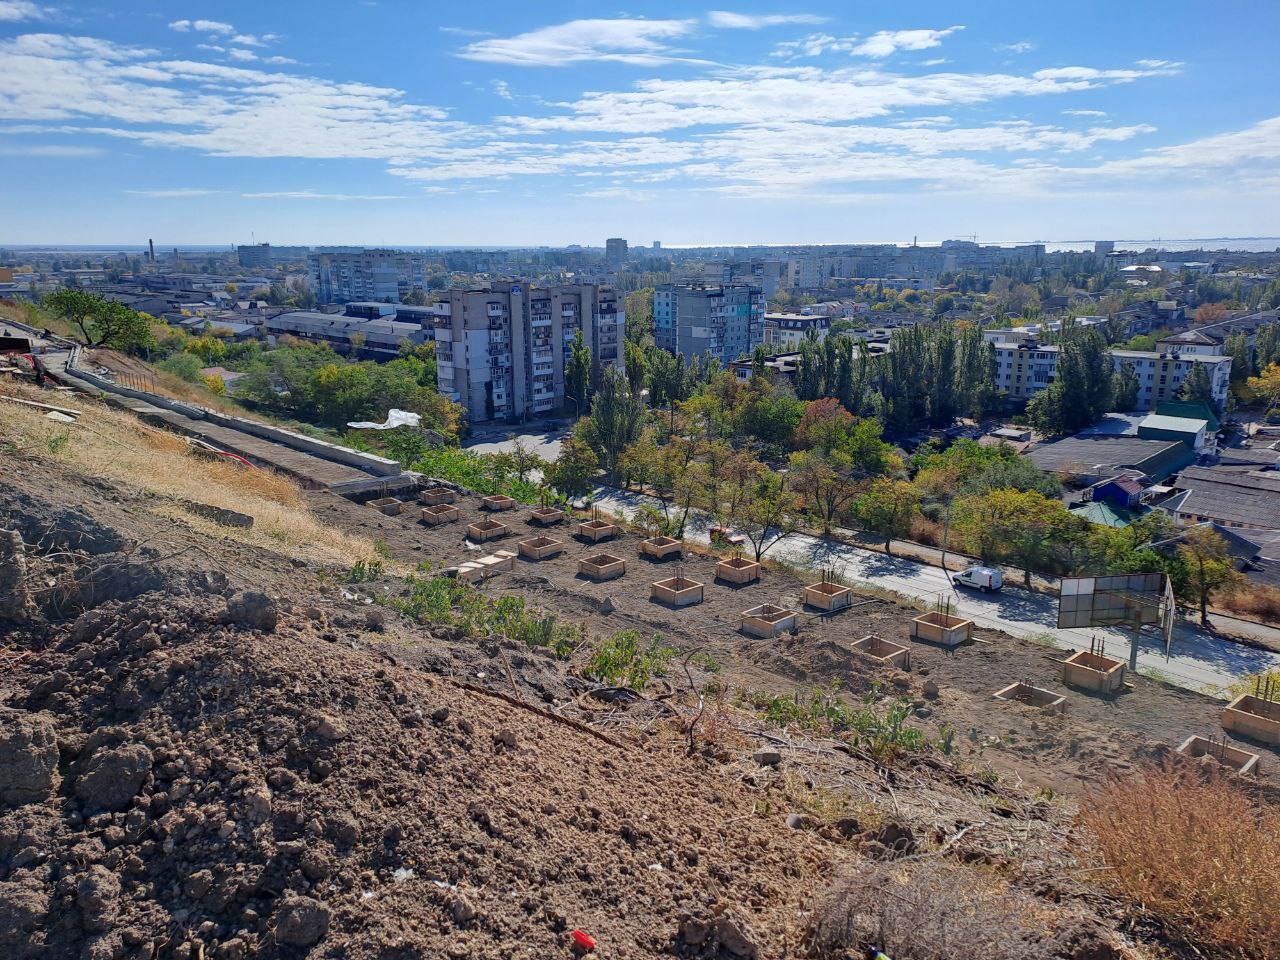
[1081, 390]
[1022, 525]
[887, 508]
[1124, 389]
[637, 365]
[1266, 386]
[577, 374]
[102, 322]
[769, 513]
[828, 484]
[1209, 566]
[617, 417]
[523, 460]
[1197, 387]
[574, 471]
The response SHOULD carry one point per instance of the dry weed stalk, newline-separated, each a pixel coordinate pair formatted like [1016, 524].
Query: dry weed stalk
[1195, 851]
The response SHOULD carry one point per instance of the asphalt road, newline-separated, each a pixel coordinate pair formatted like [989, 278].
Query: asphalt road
[1198, 661]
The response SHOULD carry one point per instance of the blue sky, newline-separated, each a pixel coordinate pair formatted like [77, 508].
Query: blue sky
[338, 121]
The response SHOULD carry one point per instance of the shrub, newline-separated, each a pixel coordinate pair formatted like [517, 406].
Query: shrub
[1194, 851]
[1256, 600]
[624, 660]
[930, 910]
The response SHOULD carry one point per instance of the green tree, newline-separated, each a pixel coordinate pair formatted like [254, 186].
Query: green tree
[888, 508]
[1197, 387]
[617, 417]
[637, 364]
[1209, 566]
[1021, 525]
[769, 513]
[574, 471]
[577, 374]
[1124, 389]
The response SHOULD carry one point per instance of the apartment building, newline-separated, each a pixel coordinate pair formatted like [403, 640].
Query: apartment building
[691, 319]
[769, 275]
[788, 329]
[615, 251]
[502, 352]
[343, 274]
[1025, 368]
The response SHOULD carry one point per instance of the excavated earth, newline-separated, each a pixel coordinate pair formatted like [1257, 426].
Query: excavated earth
[216, 751]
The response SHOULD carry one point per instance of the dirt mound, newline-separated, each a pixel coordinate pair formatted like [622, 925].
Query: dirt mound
[229, 790]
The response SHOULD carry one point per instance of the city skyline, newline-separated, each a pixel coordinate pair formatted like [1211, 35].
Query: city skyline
[380, 124]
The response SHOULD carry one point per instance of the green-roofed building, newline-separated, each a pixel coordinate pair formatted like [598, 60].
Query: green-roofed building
[1105, 515]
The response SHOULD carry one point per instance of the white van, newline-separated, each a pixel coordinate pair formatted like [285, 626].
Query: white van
[986, 579]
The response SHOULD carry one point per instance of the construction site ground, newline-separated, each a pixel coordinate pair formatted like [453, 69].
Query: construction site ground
[1063, 753]
[223, 750]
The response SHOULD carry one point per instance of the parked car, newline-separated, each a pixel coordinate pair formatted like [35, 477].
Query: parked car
[986, 579]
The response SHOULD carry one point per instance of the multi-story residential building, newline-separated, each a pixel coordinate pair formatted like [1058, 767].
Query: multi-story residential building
[615, 251]
[769, 275]
[691, 319]
[342, 274]
[788, 329]
[502, 352]
[261, 255]
[377, 339]
[1025, 368]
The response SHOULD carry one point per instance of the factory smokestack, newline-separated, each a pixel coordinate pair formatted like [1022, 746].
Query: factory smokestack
[151, 245]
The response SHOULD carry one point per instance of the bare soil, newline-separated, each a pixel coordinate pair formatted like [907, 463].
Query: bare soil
[1095, 738]
[224, 752]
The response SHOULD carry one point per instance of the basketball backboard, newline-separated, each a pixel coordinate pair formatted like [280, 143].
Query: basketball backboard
[1132, 600]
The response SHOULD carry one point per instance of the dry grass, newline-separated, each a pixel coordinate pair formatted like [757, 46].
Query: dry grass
[932, 910]
[117, 447]
[1197, 853]
[1256, 601]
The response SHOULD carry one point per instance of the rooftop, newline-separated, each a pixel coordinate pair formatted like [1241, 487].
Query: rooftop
[1160, 421]
[1155, 458]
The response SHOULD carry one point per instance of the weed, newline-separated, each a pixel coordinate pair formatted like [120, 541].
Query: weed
[625, 660]
[363, 571]
[1196, 852]
[706, 662]
[381, 549]
[59, 441]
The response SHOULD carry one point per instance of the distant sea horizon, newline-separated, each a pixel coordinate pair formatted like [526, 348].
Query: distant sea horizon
[1238, 244]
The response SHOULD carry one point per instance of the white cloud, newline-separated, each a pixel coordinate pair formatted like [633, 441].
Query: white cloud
[252, 40]
[47, 150]
[1158, 64]
[202, 26]
[244, 56]
[172, 193]
[888, 42]
[312, 195]
[622, 41]
[12, 11]
[727, 20]
[1085, 113]
[502, 89]
[279, 60]
[1022, 46]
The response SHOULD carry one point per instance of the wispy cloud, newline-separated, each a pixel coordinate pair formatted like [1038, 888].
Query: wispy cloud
[172, 193]
[1085, 113]
[624, 40]
[727, 20]
[312, 195]
[202, 26]
[888, 42]
[47, 150]
[1021, 46]
[13, 11]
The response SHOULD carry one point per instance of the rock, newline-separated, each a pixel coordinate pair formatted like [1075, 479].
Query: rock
[301, 922]
[342, 829]
[930, 690]
[98, 897]
[330, 728]
[892, 839]
[198, 884]
[253, 609]
[113, 776]
[900, 681]
[799, 821]
[504, 739]
[606, 605]
[923, 713]
[462, 910]
[736, 937]
[28, 757]
[767, 758]
[439, 715]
